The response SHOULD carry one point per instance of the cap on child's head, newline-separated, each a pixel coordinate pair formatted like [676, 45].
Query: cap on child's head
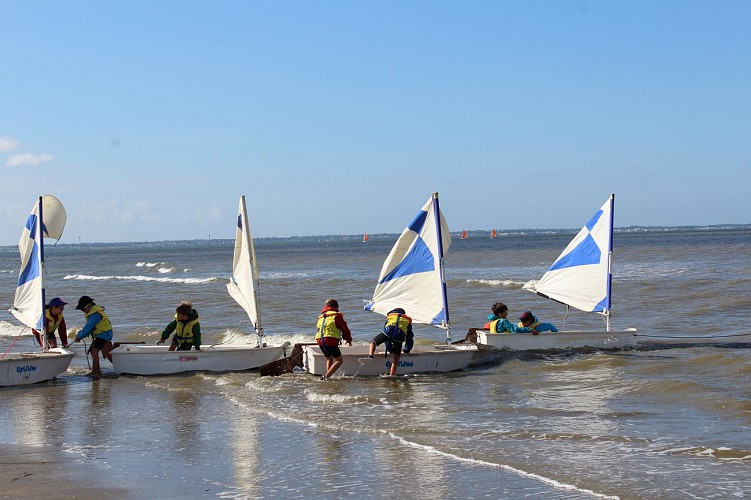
[527, 316]
[83, 302]
[57, 302]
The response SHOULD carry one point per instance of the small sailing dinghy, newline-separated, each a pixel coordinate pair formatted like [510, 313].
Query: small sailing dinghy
[47, 220]
[365, 238]
[464, 235]
[580, 278]
[243, 287]
[411, 278]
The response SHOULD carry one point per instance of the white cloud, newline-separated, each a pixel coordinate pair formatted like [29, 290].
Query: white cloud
[8, 144]
[28, 159]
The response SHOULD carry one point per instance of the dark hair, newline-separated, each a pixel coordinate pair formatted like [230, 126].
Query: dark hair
[499, 308]
[527, 316]
[184, 308]
[332, 303]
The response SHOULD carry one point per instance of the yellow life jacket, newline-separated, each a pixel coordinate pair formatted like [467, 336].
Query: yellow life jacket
[533, 325]
[184, 331]
[327, 326]
[494, 326]
[397, 325]
[103, 325]
[52, 323]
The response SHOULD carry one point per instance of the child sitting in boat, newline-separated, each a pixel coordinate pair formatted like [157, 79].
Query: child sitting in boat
[529, 320]
[497, 322]
[186, 327]
[396, 330]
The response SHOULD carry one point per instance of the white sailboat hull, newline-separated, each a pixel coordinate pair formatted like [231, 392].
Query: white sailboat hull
[558, 340]
[156, 360]
[32, 367]
[422, 359]
[696, 340]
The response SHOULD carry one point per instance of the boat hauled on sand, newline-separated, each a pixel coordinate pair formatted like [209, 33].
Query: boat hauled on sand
[138, 359]
[411, 278]
[421, 359]
[47, 220]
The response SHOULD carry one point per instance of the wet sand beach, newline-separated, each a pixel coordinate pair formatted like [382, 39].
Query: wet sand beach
[45, 472]
[167, 437]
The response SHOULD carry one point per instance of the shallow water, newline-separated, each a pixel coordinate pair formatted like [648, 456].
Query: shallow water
[634, 424]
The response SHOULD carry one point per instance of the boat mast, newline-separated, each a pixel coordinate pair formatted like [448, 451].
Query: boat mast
[253, 270]
[610, 261]
[437, 216]
[40, 234]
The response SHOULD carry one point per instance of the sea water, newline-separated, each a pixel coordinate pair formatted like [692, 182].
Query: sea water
[637, 423]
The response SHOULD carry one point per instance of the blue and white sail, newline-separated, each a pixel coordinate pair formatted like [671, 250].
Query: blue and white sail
[47, 220]
[581, 276]
[243, 285]
[412, 276]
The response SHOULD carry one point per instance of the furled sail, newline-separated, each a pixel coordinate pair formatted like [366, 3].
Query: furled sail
[412, 276]
[47, 220]
[243, 286]
[581, 275]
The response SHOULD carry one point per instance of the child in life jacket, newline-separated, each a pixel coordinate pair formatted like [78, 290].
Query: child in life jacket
[186, 327]
[396, 330]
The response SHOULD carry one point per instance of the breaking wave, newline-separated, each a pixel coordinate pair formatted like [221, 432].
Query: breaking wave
[497, 283]
[86, 277]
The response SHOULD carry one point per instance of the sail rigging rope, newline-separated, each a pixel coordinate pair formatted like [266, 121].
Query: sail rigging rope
[14, 342]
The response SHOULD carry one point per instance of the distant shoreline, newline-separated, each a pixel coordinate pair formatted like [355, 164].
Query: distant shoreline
[472, 233]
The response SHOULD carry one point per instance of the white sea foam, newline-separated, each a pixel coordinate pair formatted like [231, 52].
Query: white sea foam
[86, 277]
[148, 264]
[8, 329]
[233, 336]
[316, 397]
[497, 283]
[531, 475]
[165, 270]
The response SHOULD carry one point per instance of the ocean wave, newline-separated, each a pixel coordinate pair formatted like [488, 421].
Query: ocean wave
[8, 329]
[165, 270]
[498, 283]
[148, 264]
[721, 453]
[315, 397]
[86, 277]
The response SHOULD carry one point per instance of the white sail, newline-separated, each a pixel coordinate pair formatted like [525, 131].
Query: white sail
[412, 276]
[243, 286]
[45, 221]
[581, 275]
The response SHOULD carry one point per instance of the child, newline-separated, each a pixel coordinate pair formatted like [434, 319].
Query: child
[54, 321]
[497, 322]
[186, 327]
[99, 327]
[396, 329]
[331, 328]
[529, 320]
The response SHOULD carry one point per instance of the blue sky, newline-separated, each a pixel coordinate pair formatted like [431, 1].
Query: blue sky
[149, 119]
